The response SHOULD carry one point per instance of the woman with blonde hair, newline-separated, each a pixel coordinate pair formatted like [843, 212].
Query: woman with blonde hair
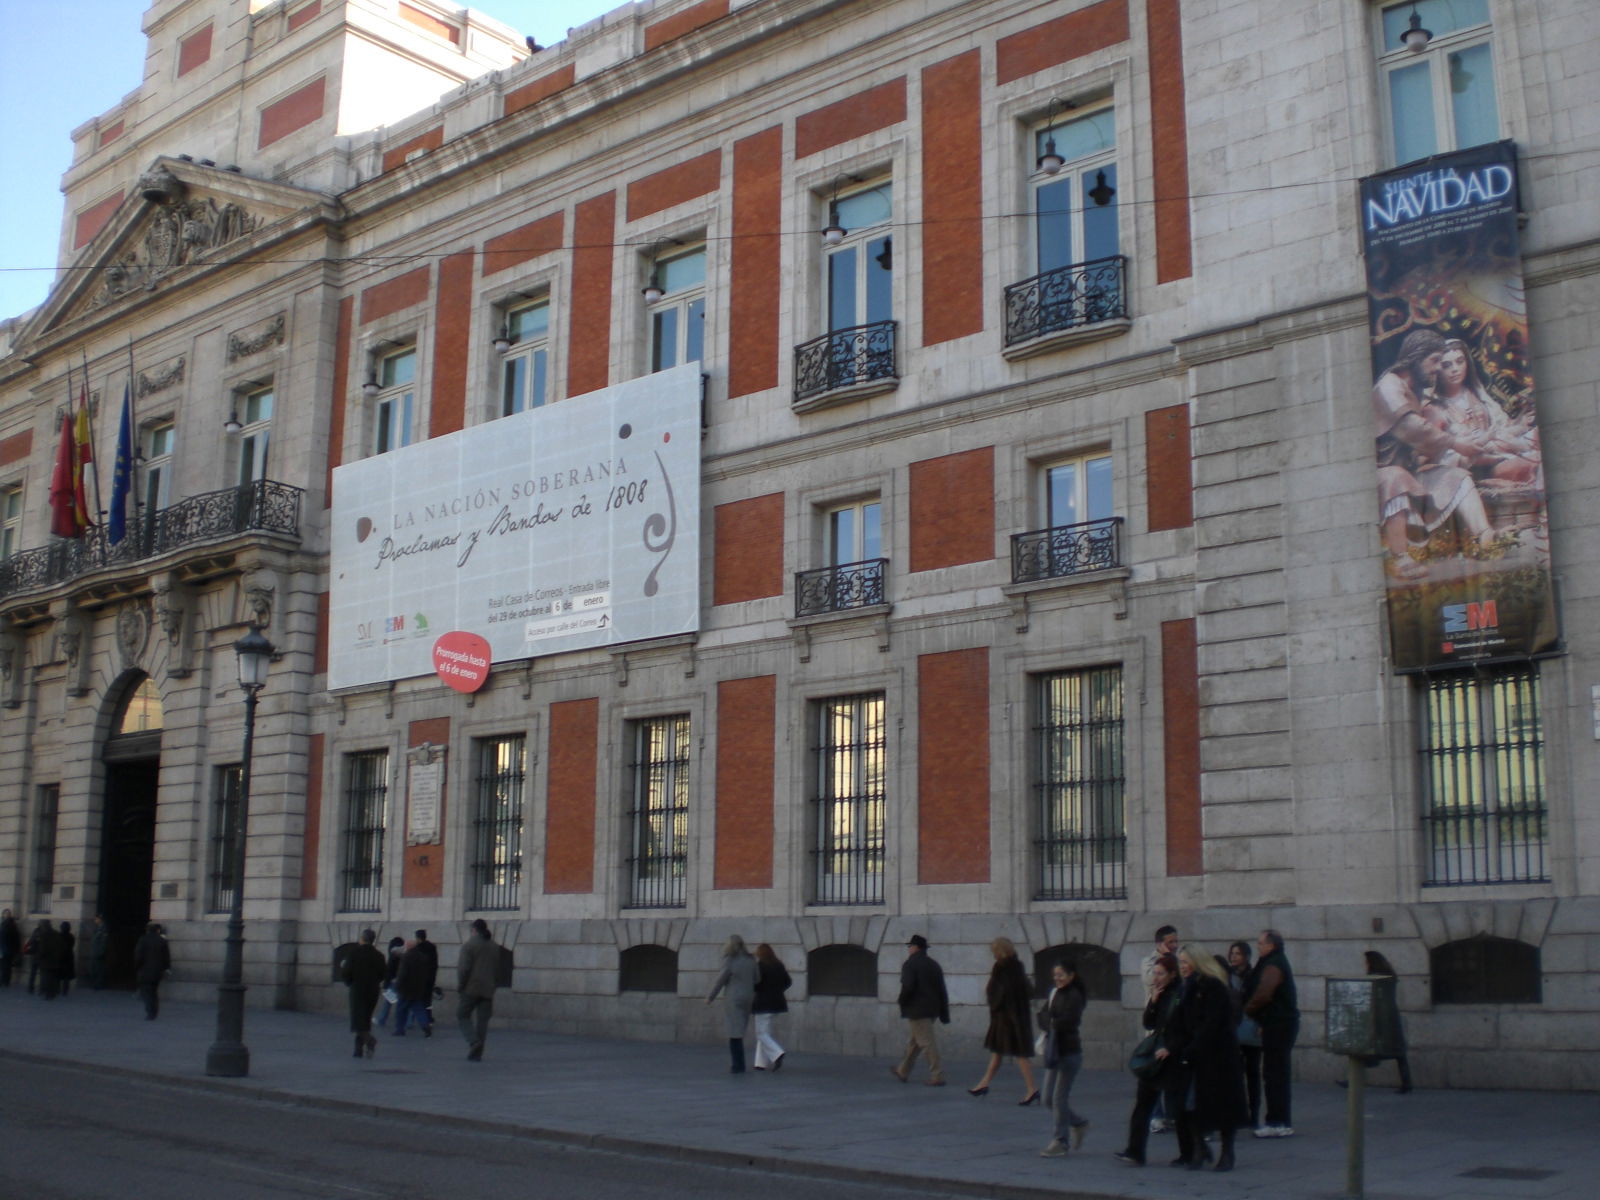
[1202, 1038]
[738, 976]
[1010, 995]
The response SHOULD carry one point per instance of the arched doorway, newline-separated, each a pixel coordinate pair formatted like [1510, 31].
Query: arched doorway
[132, 757]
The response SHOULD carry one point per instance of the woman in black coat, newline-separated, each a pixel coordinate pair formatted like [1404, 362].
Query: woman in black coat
[1061, 1016]
[1167, 1079]
[67, 957]
[1203, 1038]
[772, 981]
[1377, 964]
[362, 972]
[1010, 996]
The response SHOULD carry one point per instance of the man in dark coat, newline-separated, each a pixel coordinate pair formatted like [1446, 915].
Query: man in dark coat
[66, 957]
[152, 959]
[362, 972]
[47, 958]
[923, 1000]
[414, 983]
[476, 973]
[99, 944]
[431, 953]
[1276, 1009]
[10, 946]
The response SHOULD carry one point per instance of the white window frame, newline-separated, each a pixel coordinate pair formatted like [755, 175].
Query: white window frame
[1081, 173]
[686, 303]
[396, 398]
[528, 356]
[1082, 499]
[255, 432]
[10, 519]
[158, 441]
[863, 242]
[1437, 56]
[866, 511]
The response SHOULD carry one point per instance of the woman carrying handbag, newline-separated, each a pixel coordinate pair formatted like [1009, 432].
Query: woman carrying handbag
[1152, 1067]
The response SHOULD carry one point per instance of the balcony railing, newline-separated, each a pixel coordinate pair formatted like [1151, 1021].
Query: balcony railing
[264, 506]
[834, 589]
[1066, 298]
[844, 358]
[1066, 550]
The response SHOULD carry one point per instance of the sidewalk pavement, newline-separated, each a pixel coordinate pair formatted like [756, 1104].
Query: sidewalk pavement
[823, 1115]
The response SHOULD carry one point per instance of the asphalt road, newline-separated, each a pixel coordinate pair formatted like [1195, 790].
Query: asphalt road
[73, 1135]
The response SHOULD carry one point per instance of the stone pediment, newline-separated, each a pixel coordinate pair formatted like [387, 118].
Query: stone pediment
[182, 218]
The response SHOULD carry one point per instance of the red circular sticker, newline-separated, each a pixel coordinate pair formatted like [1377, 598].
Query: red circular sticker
[462, 660]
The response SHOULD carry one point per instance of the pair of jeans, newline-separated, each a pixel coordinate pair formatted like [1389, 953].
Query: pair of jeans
[1060, 1095]
[1277, 1042]
[411, 1012]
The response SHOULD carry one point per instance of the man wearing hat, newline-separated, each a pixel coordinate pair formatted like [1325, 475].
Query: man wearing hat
[922, 998]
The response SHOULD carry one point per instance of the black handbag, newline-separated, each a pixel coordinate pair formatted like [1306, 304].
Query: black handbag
[1143, 1061]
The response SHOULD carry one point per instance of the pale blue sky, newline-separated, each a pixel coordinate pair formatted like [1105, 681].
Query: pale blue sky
[65, 61]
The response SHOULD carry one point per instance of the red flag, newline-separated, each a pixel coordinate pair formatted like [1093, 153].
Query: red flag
[83, 455]
[63, 502]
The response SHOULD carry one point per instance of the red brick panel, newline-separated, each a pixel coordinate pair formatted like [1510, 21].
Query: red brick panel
[311, 839]
[422, 872]
[953, 767]
[686, 21]
[194, 50]
[1045, 45]
[747, 548]
[536, 90]
[952, 509]
[342, 337]
[16, 448]
[392, 295]
[319, 647]
[753, 302]
[1169, 479]
[93, 219]
[875, 108]
[952, 199]
[111, 132]
[594, 228]
[522, 243]
[429, 23]
[569, 816]
[303, 14]
[431, 140]
[746, 757]
[1169, 139]
[1180, 703]
[452, 327]
[674, 185]
[295, 111]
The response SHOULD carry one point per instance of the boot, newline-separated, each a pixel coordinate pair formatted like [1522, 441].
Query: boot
[1225, 1158]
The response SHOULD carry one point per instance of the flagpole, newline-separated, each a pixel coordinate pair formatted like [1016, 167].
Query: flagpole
[133, 448]
[99, 501]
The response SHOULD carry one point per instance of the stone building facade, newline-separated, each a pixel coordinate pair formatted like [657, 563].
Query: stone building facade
[1041, 585]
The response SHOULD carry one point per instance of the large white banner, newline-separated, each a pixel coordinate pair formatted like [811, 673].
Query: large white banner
[570, 526]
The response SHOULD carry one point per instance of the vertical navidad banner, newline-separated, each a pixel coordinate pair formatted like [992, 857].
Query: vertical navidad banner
[1461, 490]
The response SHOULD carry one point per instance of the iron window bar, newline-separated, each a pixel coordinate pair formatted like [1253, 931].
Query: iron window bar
[1066, 550]
[1069, 297]
[850, 756]
[659, 818]
[366, 795]
[843, 358]
[1082, 842]
[224, 837]
[835, 589]
[496, 867]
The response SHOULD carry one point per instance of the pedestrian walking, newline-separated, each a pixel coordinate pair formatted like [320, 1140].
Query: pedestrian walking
[1009, 993]
[30, 951]
[1274, 1006]
[737, 983]
[1240, 973]
[152, 959]
[923, 1000]
[10, 946]
[362, 972]
[66, 957]
[1061, 1018]
[413, 983]
[430, 954]
[1166, 944]
[477, 970]
[47, 959]
[1151, 1064]
[390, 998]
[772, 981]
[1202, 1036]
[1377, 964]
[99, 947]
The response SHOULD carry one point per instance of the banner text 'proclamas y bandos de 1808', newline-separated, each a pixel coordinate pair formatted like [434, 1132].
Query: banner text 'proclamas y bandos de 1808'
[565, 527]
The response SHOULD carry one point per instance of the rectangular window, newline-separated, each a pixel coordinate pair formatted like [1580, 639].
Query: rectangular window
[396, 405]
[860, 267]
[850, 754]
[1078, 490]
[660, 814]
[525, 371]
[1483, 788]
[1441, 95]
[678, 317]
[366, 794]
[1078, 780]
[1074, 191]
[855, 533]
[225, 788]
[158, 445]
[47, 804]
[497, 822]
[10, 520]
[255, 418]
[1081, 532]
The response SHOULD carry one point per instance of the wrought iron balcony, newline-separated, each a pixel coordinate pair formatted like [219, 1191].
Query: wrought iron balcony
[1071, 297]
[1066, 550]
[844, 358]
[835, 589]
[264, 506]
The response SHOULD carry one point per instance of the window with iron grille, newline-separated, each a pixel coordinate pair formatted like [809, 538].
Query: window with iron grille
[1082, 822]
[225, 787]
[1483, 796]
[366, 794]
[47, 804]
[1486, 970]
[659, 819]
[497, 822]
[849, 770]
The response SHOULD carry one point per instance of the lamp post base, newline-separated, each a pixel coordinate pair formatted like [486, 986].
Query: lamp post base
[232, 1062]
[228, 1055]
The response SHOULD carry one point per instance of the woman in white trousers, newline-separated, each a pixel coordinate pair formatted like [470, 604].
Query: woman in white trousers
[771, 984]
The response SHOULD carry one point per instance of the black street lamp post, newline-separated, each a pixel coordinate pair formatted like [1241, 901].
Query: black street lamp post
[228, 1054]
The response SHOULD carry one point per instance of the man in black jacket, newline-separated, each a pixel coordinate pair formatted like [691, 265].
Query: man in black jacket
[151, 960]
[923, 999]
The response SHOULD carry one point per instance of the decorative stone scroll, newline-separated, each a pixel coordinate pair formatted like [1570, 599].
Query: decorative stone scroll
[163, 379]
[242, 345]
